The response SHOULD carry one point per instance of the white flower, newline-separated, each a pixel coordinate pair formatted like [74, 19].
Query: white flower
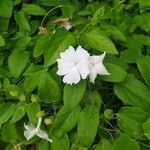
[97, 67]
[31, 130]
[66, 25]
[73, 65]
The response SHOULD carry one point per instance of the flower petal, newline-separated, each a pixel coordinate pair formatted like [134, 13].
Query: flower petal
[66, 25]
[81, 54]
[63, 67]
[83, 69]
[69, 54]
[101, 70]
[92, 75]
[29, 127]
[39, 123]
[42, 134]
[72, 77]
[102, 56]
[29, 134]
[96, 59]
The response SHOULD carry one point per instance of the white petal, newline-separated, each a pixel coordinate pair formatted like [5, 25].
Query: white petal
[96, 59]
[72, 77]
[29, 127]
[102, 56]
[101, 69]
[66, 25]
[81, 54]
[42, 134]
[92, 75]
[83, 69]
[29, 134]
[64, 67]
[39, 123]
[69, 54]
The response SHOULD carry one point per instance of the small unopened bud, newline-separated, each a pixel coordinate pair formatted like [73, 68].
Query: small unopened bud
[34, 98]
[13, 93]
[48, 121]
[42, 30]
[108, 114]
[22, 97]
[40, 114]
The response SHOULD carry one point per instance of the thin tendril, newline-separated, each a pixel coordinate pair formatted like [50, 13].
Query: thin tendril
[48, 13]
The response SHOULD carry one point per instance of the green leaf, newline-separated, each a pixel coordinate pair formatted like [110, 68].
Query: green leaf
[49, 2]
[99, 41]
[9, 133]
[96, 99]
[98, 14]
[6, 112]
[2, 42]
[60, 41]
[22, 43]
[84, 13]
[87, 125]
[134, 45]
[43, 145]
[104, 145]
[22, 21]
[32, 77]
[132, 54]
[4, 73]
[65, 121]
[32, 109]
[142, 21]
[114, 32]
[117, 73]
[67, 10]
[133, 92]
[48, 89]
[6, 7]
[125, 143]
[32, 82]
[60, 143]
[17, 62]
[143, 66]
[4, 23]
[41, 44]
[127, 116]
[32, 9]
[146, 128]
[34, 69]
[73, 94]
[144, 3]
[117, 61]
[19, 112]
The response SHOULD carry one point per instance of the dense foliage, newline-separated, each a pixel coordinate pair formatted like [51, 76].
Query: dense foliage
[111, 114]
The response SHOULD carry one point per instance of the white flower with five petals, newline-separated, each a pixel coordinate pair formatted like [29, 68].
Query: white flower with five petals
[73, 65]
[31, 131]
[97, 67]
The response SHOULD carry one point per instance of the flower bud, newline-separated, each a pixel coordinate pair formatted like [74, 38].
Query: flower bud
[48, 121]
[108, 114]
[40, 114]
[34, 98]
[13, 93]
[22, 97]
